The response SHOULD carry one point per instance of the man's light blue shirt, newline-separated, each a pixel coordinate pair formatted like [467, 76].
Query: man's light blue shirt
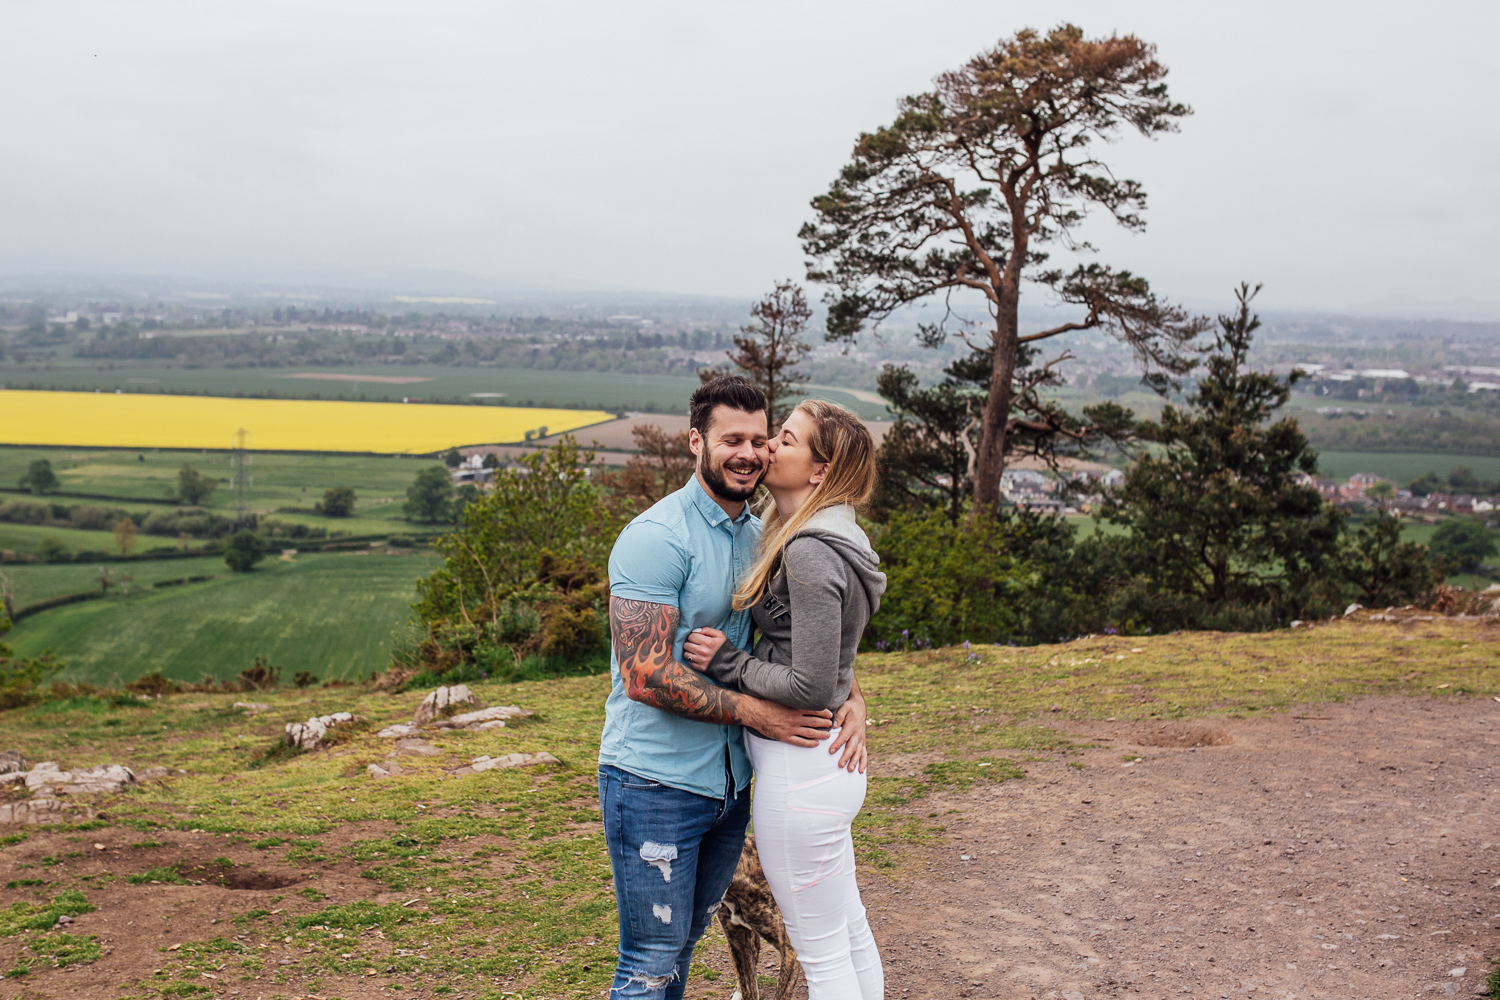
[687, 553]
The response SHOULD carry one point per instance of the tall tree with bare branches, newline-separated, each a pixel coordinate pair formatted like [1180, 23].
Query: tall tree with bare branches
[969, 186]
[768, 351]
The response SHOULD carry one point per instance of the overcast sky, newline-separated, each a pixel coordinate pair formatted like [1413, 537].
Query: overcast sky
[1346, 154]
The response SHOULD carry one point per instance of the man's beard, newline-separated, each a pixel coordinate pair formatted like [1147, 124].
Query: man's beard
[713, 476]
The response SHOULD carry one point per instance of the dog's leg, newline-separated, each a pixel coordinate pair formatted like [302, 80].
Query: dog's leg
[744, 948]
[791, 970]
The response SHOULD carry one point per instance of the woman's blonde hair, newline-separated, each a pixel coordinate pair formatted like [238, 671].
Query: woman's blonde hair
[840, 439]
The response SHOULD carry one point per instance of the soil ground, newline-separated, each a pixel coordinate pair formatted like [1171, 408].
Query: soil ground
[1345, 850]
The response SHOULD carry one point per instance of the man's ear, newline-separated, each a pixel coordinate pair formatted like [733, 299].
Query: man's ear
[695, 441]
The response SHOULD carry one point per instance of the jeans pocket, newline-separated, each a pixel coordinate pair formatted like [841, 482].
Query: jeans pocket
[642, 785]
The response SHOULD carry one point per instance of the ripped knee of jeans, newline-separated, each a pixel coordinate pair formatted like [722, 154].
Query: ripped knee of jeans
[660, 857]
[647, 980]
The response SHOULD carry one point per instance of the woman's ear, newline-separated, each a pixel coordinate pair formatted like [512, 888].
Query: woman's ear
[820, 471]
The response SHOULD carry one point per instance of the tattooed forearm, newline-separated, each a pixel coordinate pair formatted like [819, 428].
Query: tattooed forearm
[643, 634]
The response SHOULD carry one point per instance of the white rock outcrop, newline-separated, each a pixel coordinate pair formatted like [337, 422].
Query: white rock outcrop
[307, 735]
[399, 730]
[487, 763]
[441, 702]
[47, 780]
[485, 718]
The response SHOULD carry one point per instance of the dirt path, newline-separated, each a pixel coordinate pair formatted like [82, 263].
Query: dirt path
[1345, 851]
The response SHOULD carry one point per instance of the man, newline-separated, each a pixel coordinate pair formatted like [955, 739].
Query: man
[673, 774]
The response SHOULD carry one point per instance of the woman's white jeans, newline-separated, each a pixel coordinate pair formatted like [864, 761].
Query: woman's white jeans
[804, 804]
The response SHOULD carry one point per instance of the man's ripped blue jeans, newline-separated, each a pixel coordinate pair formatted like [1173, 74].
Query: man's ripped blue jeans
[673, 854]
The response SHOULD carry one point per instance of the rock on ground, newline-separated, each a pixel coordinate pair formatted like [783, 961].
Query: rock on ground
[441, 702]
[485, 718]
[488, 763]
[307, 735]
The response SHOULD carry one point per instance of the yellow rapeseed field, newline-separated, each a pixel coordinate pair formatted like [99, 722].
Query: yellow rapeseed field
[138, 420]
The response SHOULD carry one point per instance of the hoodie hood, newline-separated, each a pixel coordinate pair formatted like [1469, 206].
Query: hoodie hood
[838, 528]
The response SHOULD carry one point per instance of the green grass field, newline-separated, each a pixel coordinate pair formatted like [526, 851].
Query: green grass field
[277, 481]
[520, 386]
[332, 615]
[30, 583]
[1403, 467]
[27, 538]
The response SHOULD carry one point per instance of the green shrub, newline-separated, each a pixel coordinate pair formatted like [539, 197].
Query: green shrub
[947, 583]
[246, 549]
[21, 679]
[54, 549]
[1463, 542]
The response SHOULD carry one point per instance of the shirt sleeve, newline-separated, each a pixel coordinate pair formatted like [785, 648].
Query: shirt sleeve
[815, 581]
[648, 563]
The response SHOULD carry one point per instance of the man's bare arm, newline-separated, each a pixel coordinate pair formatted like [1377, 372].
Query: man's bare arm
[643, 635]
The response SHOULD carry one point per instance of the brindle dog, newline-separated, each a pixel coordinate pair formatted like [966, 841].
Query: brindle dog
[749, 914]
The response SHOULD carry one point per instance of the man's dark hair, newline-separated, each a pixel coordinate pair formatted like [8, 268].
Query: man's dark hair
[734, 391]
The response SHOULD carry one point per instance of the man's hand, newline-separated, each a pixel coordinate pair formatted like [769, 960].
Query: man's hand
[851, 725]
[701, 645]
[787, 725]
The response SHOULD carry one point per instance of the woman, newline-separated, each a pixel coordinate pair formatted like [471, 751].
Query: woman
[811, 592]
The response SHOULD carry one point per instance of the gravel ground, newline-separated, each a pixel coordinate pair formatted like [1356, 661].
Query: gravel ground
[1346, 850]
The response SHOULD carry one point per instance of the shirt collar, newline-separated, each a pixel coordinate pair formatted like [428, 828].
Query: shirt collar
[711, 511]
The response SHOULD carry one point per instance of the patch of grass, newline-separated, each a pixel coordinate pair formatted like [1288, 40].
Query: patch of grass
[12, 839]
[266, 843]
[36, 917]
[163, 875]
[252, 915]
[61, 949]
[146, 844]
[24, 883]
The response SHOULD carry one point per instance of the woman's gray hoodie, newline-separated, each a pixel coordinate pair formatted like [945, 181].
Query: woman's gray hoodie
[811, 618]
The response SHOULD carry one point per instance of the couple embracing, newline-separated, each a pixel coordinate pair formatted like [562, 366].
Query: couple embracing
[694, 707]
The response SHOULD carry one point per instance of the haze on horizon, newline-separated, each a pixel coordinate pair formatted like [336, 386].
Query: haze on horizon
[1339, 153]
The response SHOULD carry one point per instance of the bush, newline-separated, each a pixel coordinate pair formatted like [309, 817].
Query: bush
[522, 586]
[262, 675]
[153, 685]
[947, 583]
[246, 549]
[1463, 542]
[53, 549]
[95, 518]
[21, 679]
[338, 502]
[22, 512]
[1381, 568]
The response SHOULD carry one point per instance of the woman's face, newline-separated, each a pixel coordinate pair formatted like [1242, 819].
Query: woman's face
[793, 467]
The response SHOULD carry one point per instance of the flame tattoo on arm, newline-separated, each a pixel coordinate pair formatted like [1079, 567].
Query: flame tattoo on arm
[643, 634]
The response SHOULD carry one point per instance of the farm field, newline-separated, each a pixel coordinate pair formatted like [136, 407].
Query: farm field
[520, 387]
[283, 486]
[332, 615]
[132, 420]
[30, 583]
[28, 538]
[1402, 467]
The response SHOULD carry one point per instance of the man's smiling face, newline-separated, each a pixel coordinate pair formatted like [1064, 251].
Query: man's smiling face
[732, 453]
